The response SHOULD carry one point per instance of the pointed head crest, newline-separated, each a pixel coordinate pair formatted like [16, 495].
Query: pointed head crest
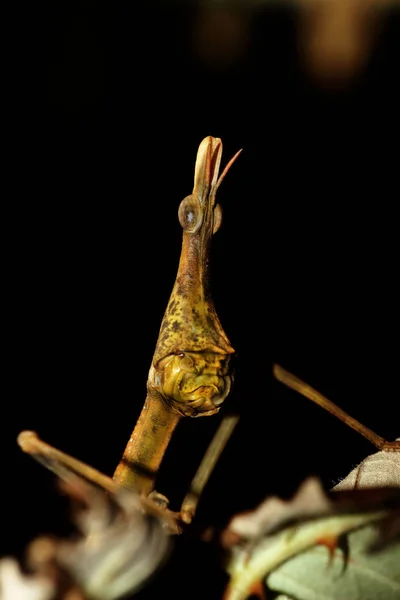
[208, 161]
[206, 183]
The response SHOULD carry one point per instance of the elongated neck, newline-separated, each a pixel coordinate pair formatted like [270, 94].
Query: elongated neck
[147, 445]
[193, 270]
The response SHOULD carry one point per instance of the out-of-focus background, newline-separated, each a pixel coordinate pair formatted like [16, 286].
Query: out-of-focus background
[106, 104]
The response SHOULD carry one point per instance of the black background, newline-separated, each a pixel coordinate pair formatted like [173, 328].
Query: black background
[106, 106]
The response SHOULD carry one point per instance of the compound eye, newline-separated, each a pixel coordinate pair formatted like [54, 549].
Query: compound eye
[186, 363]
[217, 218]
[190, 215]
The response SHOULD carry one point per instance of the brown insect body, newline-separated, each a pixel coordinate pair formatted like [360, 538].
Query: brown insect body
[190, 374]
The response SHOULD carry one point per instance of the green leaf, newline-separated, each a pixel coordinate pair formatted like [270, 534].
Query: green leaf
[248, 565]
[355, 575]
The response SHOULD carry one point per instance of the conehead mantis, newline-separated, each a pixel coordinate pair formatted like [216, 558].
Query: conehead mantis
[190, 374]
[191, 371]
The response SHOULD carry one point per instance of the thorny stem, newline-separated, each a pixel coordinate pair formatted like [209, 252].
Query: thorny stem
[245, 570]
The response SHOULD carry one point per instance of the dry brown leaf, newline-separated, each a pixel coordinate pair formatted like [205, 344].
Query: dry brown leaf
[121, 547]
[14, 585]
[381, 469]
[309, 501]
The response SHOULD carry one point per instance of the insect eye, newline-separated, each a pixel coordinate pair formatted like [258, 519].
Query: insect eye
[190, 215]
[217, 218]
[187, 363]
